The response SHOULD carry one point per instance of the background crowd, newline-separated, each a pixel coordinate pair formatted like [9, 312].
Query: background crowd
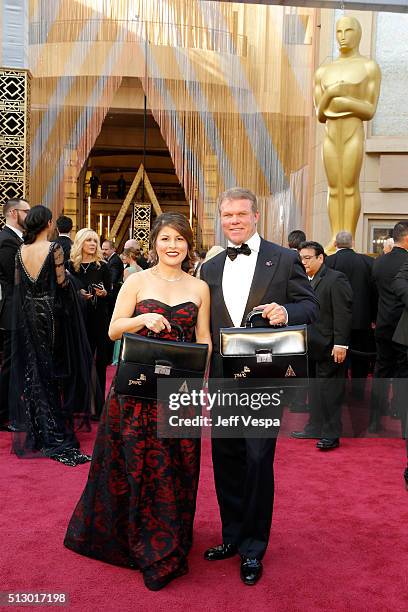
[361, 333]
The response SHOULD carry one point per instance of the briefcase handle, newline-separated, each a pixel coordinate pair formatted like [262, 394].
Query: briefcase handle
[181, 335]
[255, 319]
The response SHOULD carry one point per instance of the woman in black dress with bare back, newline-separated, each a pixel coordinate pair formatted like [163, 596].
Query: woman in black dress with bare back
[138, 506]
[51, 360]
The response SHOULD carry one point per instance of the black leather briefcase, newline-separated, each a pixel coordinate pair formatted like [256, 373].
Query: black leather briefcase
[264, 354]
[145, 359]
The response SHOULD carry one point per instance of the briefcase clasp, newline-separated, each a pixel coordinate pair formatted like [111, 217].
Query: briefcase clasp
[263, 356]
[162, 369]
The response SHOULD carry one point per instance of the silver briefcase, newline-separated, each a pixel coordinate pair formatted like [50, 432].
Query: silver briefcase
[252, 353]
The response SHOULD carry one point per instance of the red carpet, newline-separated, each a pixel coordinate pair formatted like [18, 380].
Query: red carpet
[339, 539]
[338, 542]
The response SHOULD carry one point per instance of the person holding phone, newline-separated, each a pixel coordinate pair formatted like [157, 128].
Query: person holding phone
[93, 281]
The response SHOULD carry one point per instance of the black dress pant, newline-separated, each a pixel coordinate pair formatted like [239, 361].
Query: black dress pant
[327, 387]
[98, 339]
[361, 340]
[244, 482]
[391, 363]
[5, 371]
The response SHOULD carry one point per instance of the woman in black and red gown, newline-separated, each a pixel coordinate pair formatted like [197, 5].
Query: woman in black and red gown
[138, 506]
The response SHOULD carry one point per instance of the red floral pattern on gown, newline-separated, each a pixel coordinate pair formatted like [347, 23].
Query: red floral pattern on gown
[137, 508]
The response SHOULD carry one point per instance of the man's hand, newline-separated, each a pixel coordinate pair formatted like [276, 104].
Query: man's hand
[276, 314]
[339, 354]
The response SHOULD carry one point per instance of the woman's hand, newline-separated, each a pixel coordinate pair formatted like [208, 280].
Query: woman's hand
[156, 322]
[85, 294]
[101, 292]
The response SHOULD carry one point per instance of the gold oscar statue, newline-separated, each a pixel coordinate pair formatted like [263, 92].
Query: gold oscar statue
[346, 93]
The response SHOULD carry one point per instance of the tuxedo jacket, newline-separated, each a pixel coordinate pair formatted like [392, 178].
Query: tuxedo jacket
[358, 269]
[400, 288]
[390, 305]
[66, 244]
[279, 277]
[115, 265]
[9, 244]
[334, 324]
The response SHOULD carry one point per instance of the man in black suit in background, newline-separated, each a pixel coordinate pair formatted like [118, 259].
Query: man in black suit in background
[295, 239]
[391, 361]
[250, 273]
[358, 269]
[64, 227]
[11, 237]
[115, 265]
[328, 340]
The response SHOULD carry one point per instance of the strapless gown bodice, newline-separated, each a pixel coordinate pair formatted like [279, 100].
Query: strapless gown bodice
[183, 315]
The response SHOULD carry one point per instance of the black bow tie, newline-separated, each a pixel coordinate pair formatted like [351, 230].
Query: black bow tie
[233, 252]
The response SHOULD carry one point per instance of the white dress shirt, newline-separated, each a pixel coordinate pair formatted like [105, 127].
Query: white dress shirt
[16, 231]
[237, 279]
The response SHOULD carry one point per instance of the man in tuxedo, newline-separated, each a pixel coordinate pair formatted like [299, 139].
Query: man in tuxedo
[358, 269]
[391, 361]
[328, 340]
[11, 237]
[400, 288]
[250, 273]
[64, 227]
[115, 266]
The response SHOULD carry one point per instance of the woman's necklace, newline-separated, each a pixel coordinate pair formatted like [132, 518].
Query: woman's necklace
[169, 280]
[85, 266]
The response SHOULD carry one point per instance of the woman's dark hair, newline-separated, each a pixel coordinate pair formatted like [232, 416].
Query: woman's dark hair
[178, 222]
[36, 221]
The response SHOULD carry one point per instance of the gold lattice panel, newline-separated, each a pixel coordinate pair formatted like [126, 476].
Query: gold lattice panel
[14, 135]
[141, 224]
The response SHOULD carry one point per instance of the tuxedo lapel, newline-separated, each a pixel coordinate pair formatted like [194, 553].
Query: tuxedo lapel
[265, 270]
[13, 235]
[217, 301]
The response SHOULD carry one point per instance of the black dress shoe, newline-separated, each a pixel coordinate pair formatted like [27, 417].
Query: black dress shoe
[406, 478]
[328, 444]
[220, 552]
[305, 434]
[251, 570]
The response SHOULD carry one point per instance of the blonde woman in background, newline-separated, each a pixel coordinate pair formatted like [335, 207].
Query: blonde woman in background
[93, 281]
